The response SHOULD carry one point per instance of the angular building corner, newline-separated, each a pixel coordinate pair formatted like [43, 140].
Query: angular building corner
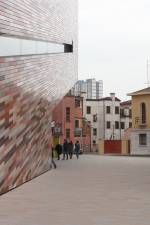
[38, 65]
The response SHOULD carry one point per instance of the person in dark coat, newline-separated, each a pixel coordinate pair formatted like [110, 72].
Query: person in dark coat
[65, 149]
[77, 149]
[58, 149]
[70, 147]
[53, 162]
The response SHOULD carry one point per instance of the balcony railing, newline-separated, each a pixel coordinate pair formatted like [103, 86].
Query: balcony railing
[123, 114]
[78, 132]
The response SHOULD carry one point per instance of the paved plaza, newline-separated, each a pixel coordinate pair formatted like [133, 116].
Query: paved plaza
[94, 190]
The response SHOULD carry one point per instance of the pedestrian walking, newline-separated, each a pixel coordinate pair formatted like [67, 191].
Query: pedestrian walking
[58, 149]
[65, 150]
[70, 147]
[77, 149]
[53, 162]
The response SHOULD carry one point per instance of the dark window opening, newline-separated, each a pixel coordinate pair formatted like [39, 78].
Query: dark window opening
[88, 109]
[122, 125]
[116, 110]
[108, 124]
[116, 125]
[77, 103]
[67, 133]
[122, 112]
[95, 118]
[94, 131]
[67, 114]
[76, 123]
[130, 124]
[142, 139]
[143, 113]
[108, 109]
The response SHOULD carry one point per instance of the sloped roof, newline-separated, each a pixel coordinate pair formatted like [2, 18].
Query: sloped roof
[126, 102]
[140, 92]
[92, 100]
[104, 99]
[109, 99]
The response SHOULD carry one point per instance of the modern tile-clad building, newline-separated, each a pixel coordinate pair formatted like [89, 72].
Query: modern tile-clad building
[38, 65]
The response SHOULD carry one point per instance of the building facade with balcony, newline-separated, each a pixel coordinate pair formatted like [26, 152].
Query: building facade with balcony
[140, 135]
[104, 117]
[110, 119]
[69, 113]
[92, 114]
[38, 66]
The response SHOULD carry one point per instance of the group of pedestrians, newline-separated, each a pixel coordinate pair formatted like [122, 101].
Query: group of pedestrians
[67, 149]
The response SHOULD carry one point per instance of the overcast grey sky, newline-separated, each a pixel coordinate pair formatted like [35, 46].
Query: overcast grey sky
[114, 43]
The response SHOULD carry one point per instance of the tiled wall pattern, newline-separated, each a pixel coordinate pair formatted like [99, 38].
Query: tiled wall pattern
[30, 86]
[42, 19]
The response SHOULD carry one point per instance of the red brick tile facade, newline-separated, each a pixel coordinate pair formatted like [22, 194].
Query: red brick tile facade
[31, 85]
[82, 134]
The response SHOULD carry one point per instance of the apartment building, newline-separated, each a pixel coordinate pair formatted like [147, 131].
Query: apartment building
[110, 118]
[104, 117]
[92, 88]
[92, 115]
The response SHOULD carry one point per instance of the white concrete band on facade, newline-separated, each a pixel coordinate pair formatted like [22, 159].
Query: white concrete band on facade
[16, 46]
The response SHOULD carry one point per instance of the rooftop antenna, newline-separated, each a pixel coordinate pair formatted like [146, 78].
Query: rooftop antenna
[148, 81]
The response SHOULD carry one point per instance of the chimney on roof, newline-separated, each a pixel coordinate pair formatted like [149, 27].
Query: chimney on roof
[112, 95]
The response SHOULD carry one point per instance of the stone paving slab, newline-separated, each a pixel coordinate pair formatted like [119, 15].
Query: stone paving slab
[94, 190]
